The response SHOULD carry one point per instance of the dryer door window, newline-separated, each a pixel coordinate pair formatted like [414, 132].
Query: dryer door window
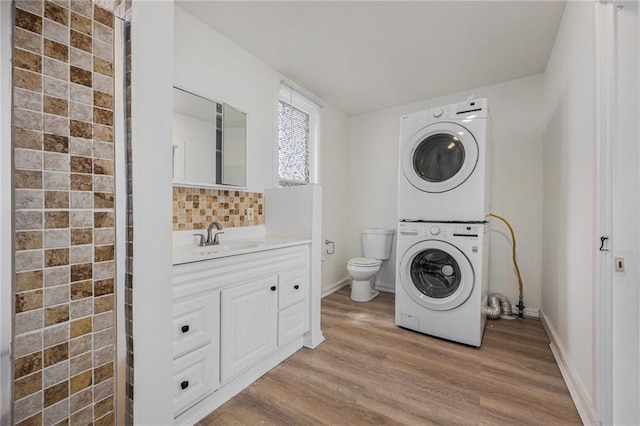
[435, 273]
[440, 157]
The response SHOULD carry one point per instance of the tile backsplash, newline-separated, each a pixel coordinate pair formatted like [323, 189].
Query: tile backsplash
[196, 208]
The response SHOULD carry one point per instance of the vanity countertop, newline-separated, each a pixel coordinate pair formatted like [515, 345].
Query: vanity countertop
[193, 253]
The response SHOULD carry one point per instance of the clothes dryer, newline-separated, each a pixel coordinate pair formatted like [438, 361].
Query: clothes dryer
[441, 279]
[444, 169]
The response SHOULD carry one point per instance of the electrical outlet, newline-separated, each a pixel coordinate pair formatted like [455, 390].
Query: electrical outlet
[250, 214]
[619, 264]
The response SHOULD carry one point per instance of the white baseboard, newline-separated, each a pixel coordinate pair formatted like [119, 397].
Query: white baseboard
[335, 287]
[579, 394]
[380, 286]
[386, 287]
[528, 312]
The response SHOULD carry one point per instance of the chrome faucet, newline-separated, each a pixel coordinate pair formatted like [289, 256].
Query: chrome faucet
[211, 239]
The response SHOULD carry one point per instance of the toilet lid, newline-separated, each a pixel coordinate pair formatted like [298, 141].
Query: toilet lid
[363, 261]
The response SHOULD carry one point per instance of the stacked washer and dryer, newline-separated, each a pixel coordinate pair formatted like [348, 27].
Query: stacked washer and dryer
[443, 200]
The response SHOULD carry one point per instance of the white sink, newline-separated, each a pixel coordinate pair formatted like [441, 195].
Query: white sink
[225, 247]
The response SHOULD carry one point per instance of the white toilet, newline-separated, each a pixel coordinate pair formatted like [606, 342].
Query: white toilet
[376, 247]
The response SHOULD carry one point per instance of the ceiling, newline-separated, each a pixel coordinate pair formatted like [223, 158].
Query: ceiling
[362, 56]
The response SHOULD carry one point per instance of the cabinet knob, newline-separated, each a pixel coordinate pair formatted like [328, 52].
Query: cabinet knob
[184, 384]
[273, 288]
[185, 328]
[296, 286]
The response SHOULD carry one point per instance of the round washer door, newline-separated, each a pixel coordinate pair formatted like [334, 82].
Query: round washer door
[437, 275]
[440, 157]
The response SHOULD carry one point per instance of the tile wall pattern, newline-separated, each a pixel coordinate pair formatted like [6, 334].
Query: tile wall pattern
[64, 335]
[125, 10]
[196, 208]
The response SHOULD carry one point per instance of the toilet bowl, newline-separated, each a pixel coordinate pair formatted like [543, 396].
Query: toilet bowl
[376, 247]
[362, 271]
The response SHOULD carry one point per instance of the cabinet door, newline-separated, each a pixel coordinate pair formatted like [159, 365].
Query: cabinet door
[292, 323]
[249, 322]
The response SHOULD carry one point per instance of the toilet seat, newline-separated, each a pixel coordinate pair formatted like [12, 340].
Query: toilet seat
[364, 261]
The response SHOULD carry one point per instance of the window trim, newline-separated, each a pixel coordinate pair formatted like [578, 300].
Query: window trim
[309, 107]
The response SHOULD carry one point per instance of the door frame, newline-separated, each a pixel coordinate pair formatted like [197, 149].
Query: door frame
[605, 114]
[611, 220]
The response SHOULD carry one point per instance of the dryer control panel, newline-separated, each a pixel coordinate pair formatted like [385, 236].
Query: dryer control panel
[476, 108]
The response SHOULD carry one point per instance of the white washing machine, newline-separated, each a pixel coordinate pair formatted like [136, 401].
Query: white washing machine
[444, 169]
[441, 279]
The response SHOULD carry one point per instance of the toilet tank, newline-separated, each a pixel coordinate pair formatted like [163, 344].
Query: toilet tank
[376, 243]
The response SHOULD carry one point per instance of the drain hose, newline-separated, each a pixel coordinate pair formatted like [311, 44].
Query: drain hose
[499, 307]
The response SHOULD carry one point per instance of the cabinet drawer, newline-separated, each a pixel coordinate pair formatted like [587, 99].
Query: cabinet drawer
[292, 287]
[292, 323]
[194, 377]
[195, 322]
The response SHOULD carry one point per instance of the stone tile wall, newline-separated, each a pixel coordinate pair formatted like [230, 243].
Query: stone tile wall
[64, 335]
[128, 299]
[196, 208]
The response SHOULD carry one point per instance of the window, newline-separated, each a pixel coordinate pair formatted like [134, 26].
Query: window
[297, 139]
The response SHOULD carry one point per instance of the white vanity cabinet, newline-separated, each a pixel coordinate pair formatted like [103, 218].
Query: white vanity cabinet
[234, 319]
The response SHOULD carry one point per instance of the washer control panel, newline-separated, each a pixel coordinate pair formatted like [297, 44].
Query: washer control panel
[441, 230]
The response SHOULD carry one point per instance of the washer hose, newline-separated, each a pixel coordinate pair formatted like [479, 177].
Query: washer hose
[515, 263]
[499, 307]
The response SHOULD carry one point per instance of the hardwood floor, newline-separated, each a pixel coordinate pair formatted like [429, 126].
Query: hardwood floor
[369, 371]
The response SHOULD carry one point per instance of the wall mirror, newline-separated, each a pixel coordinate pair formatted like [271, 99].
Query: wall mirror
[209, 142]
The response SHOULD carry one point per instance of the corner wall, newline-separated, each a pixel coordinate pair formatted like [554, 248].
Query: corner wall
[335, 198]
[516, 111]
[569, 218]
[151, 290]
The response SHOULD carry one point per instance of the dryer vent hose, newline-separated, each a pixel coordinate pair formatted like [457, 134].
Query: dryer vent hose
[499, 307]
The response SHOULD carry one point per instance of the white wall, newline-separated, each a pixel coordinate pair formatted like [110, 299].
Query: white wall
[335, 201]
[516, 111]
[210, 65]
[151, 111]
[196, 138]
[569, 222]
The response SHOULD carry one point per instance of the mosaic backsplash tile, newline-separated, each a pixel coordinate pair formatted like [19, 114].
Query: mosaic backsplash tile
[196, 208]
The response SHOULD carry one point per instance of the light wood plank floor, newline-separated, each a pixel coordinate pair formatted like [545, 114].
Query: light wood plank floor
[369, 371]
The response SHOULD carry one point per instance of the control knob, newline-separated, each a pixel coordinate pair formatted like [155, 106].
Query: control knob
[435, 230]
[438, 112]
